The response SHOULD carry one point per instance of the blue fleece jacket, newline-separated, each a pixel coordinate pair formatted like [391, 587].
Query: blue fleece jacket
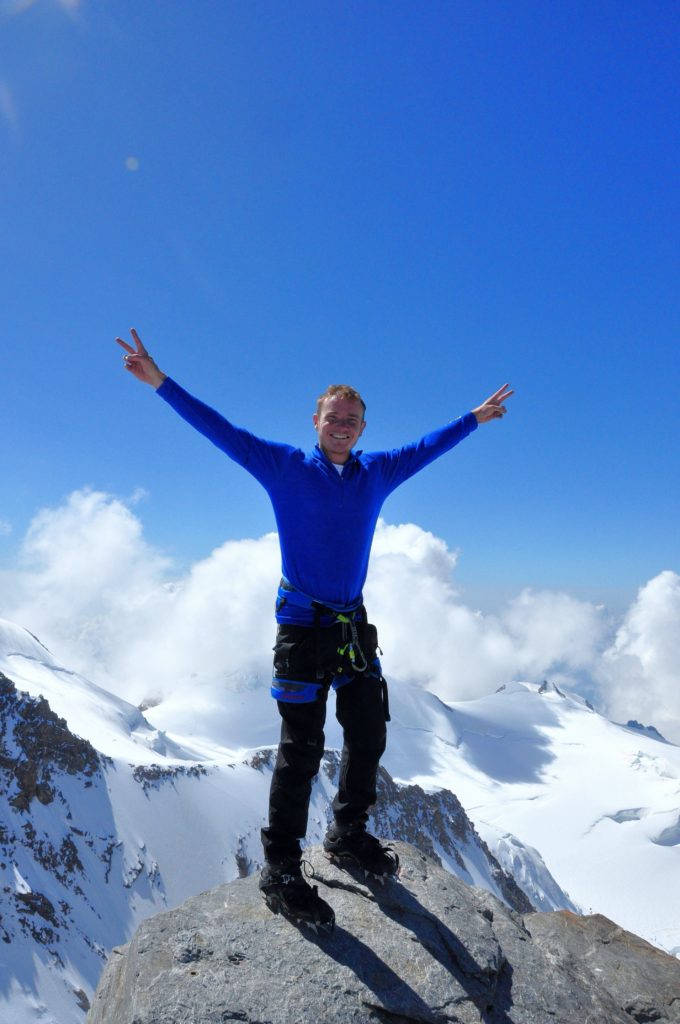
[325, 520]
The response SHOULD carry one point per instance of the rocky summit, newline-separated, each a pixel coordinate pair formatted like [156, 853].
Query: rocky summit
[423, 948]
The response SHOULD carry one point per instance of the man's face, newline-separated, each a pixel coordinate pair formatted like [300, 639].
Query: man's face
[339, 424]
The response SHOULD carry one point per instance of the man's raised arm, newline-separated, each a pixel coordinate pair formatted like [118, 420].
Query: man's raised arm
[263, 459]
[140, 364]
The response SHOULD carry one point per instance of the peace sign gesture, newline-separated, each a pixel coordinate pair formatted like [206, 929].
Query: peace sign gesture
[140, 364]
[493, 408]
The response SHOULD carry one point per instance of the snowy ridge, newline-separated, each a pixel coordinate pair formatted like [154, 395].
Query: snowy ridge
[114, 727]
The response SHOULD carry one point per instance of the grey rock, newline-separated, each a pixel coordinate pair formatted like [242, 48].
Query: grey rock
[424, 948]
[644, 980]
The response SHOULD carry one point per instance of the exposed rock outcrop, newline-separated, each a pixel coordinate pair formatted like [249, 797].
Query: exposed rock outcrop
[425, 948]
[35, 743]
[38, 754]
[435, 822]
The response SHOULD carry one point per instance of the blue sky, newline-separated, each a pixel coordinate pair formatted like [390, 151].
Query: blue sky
[423, 199]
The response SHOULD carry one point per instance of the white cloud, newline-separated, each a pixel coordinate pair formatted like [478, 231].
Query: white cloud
[85, 571]
[430, 636]
[639, 674]
[109, 604]
[554, 632]
[105, 601]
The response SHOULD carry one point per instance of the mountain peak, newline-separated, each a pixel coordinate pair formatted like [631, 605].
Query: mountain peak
[648, 730]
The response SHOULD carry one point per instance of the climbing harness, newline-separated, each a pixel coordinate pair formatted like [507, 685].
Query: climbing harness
[320, 645]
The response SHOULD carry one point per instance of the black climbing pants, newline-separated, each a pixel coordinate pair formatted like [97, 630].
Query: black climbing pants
[361, 711]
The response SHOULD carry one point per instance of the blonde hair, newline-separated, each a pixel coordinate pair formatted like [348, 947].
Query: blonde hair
[339, 391]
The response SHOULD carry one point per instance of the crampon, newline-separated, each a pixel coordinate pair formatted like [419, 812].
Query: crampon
[286, 891]
[354, 847]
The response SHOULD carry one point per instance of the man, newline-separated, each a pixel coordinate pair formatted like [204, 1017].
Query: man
[326, 505]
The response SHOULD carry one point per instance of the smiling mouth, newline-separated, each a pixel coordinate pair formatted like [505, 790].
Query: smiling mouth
[340, 437]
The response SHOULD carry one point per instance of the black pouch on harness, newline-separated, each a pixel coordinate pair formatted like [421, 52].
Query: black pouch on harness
[368, 640]
[294, 652]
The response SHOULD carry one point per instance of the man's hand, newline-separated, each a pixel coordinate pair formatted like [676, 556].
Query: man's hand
[493, 408]
[140, 364]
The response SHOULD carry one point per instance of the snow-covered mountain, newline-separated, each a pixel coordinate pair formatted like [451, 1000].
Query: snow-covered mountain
[109, 814]
[538, 769]
[106, 818]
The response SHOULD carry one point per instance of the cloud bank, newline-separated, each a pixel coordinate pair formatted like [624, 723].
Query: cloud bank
[110, 605]
[641, 668]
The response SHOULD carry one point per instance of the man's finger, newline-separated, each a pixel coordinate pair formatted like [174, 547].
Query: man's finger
[137, 340]
[124, 344]
[502, 393]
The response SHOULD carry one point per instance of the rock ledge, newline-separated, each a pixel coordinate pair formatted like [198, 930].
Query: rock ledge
[426, 948]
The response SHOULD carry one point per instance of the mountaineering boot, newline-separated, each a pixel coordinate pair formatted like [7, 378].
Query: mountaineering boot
[287, 892]
[353, 846]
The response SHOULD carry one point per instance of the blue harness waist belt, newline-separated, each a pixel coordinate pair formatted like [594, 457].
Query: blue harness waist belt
[295, 608]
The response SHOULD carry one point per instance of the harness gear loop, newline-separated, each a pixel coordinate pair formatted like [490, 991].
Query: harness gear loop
[352, 647]
[385, 698]
[320, 672]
